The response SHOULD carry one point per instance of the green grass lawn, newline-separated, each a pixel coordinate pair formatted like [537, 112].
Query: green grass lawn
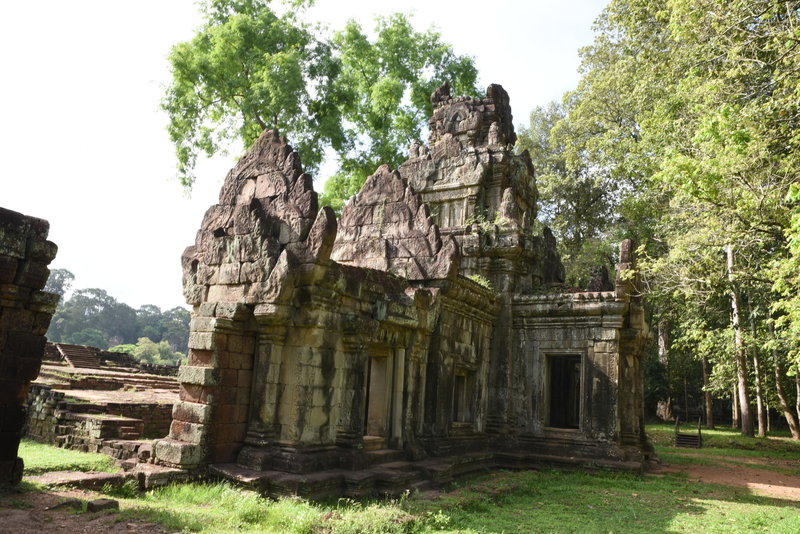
[498, 502]
[723, 441]
[40, 458]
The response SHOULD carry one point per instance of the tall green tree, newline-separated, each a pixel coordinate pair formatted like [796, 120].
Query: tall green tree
[578, 205]
[249, 69]
[690, 108]
[388, 83]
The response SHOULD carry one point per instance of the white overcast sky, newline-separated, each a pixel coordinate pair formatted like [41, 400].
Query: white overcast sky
[83, 143]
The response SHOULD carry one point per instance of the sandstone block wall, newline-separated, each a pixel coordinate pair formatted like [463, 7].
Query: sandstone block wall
[25, 312]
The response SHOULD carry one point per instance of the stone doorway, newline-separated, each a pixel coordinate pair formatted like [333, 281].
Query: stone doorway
[378, 397]
[565, 391]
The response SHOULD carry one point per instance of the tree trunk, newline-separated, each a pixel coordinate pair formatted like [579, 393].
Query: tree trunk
[708, 401]
[735, 406]
[741, 355]
[664, 406]
[784, 404]
[797, 395]
[761, 409]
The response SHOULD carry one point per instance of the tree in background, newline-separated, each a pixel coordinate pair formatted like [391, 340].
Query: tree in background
[577, 205]
[174, 327]
[59, 282]
[387, 84]
[92, 317]
[148, 351]
[687, 117]
[249, 69]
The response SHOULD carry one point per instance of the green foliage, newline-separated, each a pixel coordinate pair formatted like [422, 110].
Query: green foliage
[387, 83]
[785, 271]
[94, 318]
[576, 203]
[686, 120]
[59, 282]
[127, 490]
[40, 458]
[221, 507]
[480, 280]
[148, 351]
[249, 69]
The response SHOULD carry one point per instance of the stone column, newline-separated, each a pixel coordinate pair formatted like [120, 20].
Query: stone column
[262, 425]
[397, 401]
[350, 426]
[25, 312]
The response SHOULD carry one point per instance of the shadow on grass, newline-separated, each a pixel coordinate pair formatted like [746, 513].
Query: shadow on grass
[19, 497]
[556, 501]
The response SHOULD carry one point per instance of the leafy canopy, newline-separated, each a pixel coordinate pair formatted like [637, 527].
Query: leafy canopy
[249, 69]
[388, 84]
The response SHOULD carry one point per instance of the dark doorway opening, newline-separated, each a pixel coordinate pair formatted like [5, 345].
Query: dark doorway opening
[565, 391]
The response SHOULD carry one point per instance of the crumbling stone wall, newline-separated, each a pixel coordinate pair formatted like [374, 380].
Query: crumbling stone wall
[25, 312]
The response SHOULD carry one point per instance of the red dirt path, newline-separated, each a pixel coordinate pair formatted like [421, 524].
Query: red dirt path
[758, 481]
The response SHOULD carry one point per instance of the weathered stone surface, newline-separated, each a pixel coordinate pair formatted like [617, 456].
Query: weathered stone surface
[319, 348]
[25, 312]
[98, 505]
[383, 227]
[266, 204]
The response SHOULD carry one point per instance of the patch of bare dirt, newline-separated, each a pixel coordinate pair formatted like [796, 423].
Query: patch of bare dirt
[31, 513]
[758, 481]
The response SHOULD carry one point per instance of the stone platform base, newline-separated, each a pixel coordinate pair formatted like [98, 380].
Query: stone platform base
[388, 479]
[395, 477]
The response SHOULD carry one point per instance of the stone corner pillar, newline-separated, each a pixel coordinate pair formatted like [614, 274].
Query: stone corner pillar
[25, 313]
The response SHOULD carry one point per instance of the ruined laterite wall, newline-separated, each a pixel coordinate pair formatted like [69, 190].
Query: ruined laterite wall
[25, 312]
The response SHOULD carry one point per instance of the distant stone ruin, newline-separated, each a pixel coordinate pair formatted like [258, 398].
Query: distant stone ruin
[25, 312]
[94, 400]
[423, 335]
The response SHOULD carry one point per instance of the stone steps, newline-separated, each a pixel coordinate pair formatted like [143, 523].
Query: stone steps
[79, 356]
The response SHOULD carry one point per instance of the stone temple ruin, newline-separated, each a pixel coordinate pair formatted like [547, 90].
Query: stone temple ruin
[25, 312]
[423, 335]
